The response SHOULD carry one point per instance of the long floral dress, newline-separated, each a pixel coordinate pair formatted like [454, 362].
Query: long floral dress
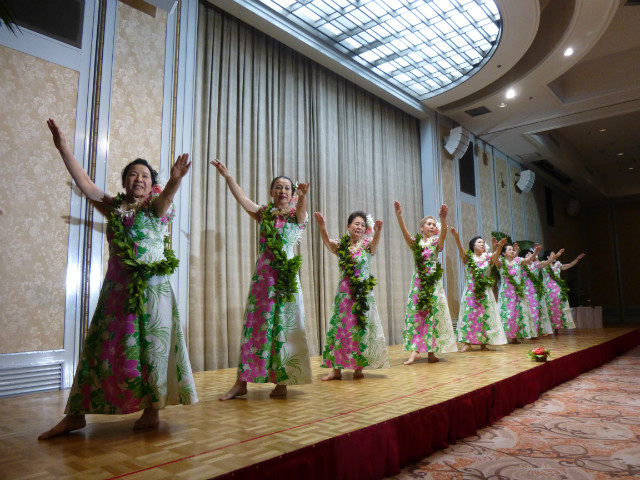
[557, 303]
[130, 362]
[535, 299]
[513, 307]
[428, 330]
[479, 321]
[348, 346]
[274, 343]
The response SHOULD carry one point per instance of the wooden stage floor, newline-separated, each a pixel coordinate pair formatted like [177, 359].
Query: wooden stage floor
[212, 438]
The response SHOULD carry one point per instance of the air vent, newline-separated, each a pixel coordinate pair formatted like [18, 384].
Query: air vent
[530, 157]
[549, 169]
[476, 112]
[37, 378]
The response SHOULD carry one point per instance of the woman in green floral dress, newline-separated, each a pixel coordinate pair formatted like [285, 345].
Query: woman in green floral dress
[134, 355]
[355, 338]
[428, 325]
[274, 343]
[478, 320]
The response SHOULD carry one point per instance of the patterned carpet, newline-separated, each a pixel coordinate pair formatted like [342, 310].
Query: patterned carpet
[587, 428]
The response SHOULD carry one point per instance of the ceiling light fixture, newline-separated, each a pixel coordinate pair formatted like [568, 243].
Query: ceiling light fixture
[502, 105]
[510, 93]
[621, 154]
[568, 52]
[602, 130]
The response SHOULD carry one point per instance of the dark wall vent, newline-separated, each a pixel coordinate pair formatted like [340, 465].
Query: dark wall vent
[476, 112]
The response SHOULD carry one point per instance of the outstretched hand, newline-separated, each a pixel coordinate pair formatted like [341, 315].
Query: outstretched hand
[397, 207]
[320, 220]
[59, 139]
[221, 167]
[377, 227]
[181, 167]
[502, 242]
[454, 232]
[581, 256]
[303, 189]
[444, 210]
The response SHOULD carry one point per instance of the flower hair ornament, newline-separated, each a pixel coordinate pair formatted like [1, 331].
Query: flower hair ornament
[369, 221]
[438, 228]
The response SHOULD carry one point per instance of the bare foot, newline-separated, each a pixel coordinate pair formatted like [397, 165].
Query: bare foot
[466, 348]
[68, 424]
[280, 391]
[412, 358]
[556, 331]
[357, 373]
[484, 348]
[431, 358]
[335, 374]
[149, 419]
[239, 388]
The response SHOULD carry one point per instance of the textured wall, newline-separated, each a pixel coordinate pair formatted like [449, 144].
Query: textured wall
[34, 197]
[518, 212]
[136, 99]
[502, 189]
[487, 202]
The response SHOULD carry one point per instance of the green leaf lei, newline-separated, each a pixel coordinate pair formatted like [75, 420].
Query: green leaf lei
[564, 290]
[139, 272]
[359, 287]
[427, 281]
[519, 287]
[480, 282]
[287, 282]
[535, 279]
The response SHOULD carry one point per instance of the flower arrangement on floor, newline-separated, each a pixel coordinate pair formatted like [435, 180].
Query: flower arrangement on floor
[539, 354]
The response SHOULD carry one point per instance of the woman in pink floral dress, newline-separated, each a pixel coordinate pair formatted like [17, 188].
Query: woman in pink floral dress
[478, 320]
[274, 343]
[134, 355]
[355, 339]
[557, 293]
[427, 321]
[535, 291]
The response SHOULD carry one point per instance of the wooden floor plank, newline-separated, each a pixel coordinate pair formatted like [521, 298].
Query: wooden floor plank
[212, 437]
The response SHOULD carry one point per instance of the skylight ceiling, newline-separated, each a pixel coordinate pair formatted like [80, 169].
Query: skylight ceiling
[423, 47]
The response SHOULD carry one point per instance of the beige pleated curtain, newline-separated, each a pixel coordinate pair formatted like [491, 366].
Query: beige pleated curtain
[266, 110]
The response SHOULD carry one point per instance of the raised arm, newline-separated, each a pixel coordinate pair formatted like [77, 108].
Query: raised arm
[495, 256]
[572, 264]
[301, 206]
[536, 251]
[551, 260]
[403, 226]
[463, 253]
[332, 245]
[179, 169]
[377, 232]
[249, 206]
[98, 198]
[444, 210]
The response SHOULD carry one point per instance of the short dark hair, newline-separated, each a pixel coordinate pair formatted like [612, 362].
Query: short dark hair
[473, 241]
[140, 161]
[357, 213]
[273, 182]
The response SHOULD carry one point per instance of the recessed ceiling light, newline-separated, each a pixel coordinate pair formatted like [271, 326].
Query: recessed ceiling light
[602, 130]
[568, 52]
[502, 105]
[621, 154]
[510, 93]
